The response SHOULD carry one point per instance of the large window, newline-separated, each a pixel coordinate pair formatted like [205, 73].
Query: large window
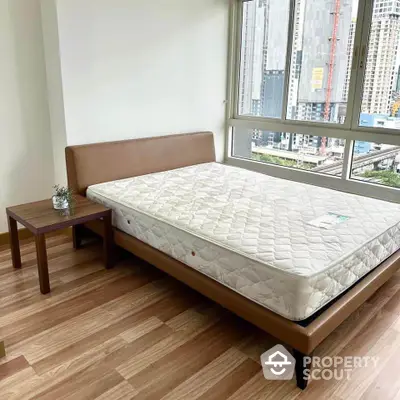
[315, 87]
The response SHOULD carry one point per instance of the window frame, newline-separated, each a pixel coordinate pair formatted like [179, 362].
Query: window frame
[350, 130]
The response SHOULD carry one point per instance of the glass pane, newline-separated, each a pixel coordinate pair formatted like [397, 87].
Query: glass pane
[312, 153]
[376, 163]
[321, 60]
[381, 91]
[263, 57]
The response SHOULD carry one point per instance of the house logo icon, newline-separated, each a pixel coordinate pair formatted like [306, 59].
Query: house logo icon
[277, 363]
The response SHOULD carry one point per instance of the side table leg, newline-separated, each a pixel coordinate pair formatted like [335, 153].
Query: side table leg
[108, 242]
[14, 242]
[77, 236]
[42, 263]
[2, 350]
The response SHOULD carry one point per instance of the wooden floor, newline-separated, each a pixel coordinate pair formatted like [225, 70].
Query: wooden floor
[134, 333]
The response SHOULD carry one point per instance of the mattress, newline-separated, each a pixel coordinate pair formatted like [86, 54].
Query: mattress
[287, 246]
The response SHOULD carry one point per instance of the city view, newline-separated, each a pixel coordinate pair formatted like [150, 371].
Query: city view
[318, 87]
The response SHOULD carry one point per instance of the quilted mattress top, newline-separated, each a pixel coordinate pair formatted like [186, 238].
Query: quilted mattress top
[296, 228]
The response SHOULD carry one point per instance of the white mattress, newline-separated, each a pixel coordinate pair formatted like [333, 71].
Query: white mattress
[252, 232]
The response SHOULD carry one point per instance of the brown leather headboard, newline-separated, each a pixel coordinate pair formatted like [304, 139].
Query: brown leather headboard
[102, 162]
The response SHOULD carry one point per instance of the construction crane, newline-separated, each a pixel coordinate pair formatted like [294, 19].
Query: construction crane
[331, 68]
[396, 104]
[395, 108]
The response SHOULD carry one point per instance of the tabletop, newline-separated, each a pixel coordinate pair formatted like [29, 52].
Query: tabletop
[41, 217]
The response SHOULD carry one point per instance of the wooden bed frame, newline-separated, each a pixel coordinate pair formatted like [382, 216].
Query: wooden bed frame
[102, 162]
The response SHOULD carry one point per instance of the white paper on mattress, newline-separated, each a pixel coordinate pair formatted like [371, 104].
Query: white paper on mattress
[252, 232]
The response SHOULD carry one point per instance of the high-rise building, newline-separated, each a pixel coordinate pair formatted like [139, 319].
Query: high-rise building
[350, 47]
[274, 57]
[251, 65]
[382, 59]
[398, 80]
[324, 53]
[296, 61]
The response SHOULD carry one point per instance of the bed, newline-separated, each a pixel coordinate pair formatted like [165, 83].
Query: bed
[293, 259]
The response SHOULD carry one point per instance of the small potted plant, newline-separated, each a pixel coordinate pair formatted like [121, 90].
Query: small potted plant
[63, 198]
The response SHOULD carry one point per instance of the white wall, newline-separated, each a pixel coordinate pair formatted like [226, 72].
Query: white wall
[134, 68]
[26, 160]
[54, 88]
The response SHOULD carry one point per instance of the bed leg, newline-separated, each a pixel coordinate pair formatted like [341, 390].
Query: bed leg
[302, 364]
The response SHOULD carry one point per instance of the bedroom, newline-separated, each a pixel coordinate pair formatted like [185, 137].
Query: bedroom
[75, 73]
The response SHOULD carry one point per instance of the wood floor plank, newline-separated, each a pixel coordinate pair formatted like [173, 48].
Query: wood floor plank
[189, 320]
[251, 388]
[59, 295]
[144, 359]
[89, 383]
[28, 246]
[138, 347]
[387, 383]
[25, 292]
[361, 378]
[8, 385]
[173, 368]
[104, 356]
[177, 304]
[13, 366]
[207, 377]
[91, 389]
[231, 383]
[141, 329]
[134, 333]
[347, 331]
[393, 304]
[376, 339]
[59, 267]
[123, 391]
[35, 385]
[131, 320]
[255, 345]
[82, 324]
[29, 260]
[51, 317]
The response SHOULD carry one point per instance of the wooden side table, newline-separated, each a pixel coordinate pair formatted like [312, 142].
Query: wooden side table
[40, 218]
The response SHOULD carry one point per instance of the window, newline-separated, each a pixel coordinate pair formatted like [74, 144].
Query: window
[294, 150]
[377, 163]
[315, 87]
